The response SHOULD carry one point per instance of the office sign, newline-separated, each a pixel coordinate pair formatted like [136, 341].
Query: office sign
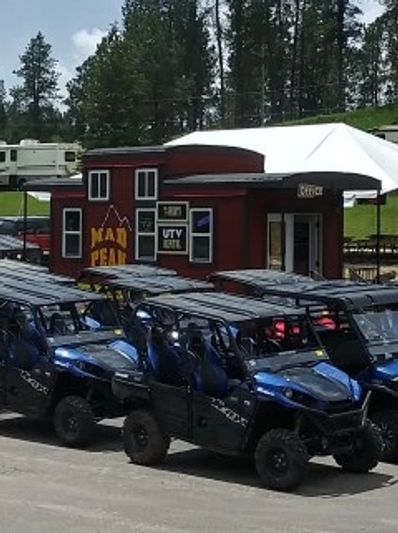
[307, 191]
[173, 239]
[172, 211]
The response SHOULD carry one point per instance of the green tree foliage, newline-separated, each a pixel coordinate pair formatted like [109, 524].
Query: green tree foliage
[34, 99]
[149, 80]
[289, 56]
[173, 66]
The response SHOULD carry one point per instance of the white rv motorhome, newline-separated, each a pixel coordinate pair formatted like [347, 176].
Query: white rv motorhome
[31, 159]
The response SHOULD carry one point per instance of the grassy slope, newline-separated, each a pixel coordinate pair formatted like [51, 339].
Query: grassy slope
[11, 203]
[364, 119]
[360, 221]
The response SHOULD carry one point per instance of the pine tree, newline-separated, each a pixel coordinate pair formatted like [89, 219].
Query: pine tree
[372, 65]
[3, 110]
[36, 96]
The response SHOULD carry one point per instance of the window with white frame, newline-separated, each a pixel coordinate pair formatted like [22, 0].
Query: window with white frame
[98, 185]
[72, 233]
[145, 235]
[201, 235]
[146, 184]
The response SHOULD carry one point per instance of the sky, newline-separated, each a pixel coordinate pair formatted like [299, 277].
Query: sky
[72, 27]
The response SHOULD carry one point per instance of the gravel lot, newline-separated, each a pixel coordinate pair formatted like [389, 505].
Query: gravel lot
[45, 488]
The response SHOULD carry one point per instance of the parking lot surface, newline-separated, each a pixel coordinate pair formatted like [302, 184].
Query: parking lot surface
[45, 488]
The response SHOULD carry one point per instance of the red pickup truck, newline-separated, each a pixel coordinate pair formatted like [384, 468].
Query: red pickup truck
[38, 229]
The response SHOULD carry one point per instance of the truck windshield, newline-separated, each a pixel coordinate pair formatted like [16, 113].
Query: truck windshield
[378, 325]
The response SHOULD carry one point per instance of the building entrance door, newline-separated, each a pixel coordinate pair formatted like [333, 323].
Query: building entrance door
[294, 242]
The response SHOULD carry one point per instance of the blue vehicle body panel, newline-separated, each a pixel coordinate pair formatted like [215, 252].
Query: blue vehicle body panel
[321, 383]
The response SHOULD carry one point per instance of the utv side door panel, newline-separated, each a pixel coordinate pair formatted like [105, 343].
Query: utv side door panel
[172, 406]
[222, 423]
[30, 391]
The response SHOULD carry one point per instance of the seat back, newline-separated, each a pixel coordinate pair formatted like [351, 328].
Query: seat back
[209, 376]
[163, 358]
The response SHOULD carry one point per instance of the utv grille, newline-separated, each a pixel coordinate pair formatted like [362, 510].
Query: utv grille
[340, 407]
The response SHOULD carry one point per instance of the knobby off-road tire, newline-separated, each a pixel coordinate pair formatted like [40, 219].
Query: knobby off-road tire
[281, 459]
[366, 453]
[74, 421]
[387, 422]
[144, 441]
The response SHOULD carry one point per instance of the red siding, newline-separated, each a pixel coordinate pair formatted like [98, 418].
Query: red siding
[197, 160]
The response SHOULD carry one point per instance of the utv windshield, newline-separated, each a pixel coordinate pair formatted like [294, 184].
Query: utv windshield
[378, 326]
[70, 318]
[277, 343]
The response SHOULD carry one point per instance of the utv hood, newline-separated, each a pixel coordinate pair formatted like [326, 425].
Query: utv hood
[115, 356]
[322, 382]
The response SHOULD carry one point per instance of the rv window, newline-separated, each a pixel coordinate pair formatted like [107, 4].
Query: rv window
[2, 157]
[70, 157]
[13, 155]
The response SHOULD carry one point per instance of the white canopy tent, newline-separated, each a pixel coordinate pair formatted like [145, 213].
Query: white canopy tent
[319, 148]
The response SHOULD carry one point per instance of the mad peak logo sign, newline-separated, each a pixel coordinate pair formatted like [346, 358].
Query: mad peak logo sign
[108, 242]
[308, 191]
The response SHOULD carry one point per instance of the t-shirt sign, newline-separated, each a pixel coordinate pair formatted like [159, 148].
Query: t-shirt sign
[172, 239]
[172, 211]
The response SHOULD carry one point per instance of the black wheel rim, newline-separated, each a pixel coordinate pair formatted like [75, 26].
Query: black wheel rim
[71, 423]
[140, 436]
[277, 461]
[388, 435]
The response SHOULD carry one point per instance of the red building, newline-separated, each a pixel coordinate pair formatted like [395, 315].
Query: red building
[198, 209]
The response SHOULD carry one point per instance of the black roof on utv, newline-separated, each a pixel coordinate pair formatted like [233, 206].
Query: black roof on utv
[349, 295]
[222, 306]
[255, 277]
[134, 270]
[155, 285]
[42, 292]
[30, 273]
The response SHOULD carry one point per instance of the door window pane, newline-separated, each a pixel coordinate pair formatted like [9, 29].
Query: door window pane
[275, 245]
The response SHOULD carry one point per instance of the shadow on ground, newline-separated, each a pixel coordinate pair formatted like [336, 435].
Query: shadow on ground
[106, 438]
[323, 480]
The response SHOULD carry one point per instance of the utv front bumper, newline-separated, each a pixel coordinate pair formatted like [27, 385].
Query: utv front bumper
[337, 423]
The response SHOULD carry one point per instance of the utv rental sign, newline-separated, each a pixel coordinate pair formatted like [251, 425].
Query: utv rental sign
[172, 239]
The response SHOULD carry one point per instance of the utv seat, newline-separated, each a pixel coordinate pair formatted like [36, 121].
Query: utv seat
[209, 376]
[57, 325]
[163, 358]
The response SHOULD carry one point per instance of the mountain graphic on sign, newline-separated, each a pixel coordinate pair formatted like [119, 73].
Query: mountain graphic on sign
[113, 213]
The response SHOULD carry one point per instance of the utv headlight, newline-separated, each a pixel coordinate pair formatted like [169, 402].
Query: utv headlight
[84, 367]
[288, 393]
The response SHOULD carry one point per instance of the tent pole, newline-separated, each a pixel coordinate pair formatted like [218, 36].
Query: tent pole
[378, 236]
[283, 241]
[25, 223]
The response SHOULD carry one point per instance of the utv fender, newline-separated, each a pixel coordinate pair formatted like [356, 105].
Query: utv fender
[128, 391]
[382, 389]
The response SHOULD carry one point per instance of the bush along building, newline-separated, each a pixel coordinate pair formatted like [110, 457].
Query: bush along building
[211, 201]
